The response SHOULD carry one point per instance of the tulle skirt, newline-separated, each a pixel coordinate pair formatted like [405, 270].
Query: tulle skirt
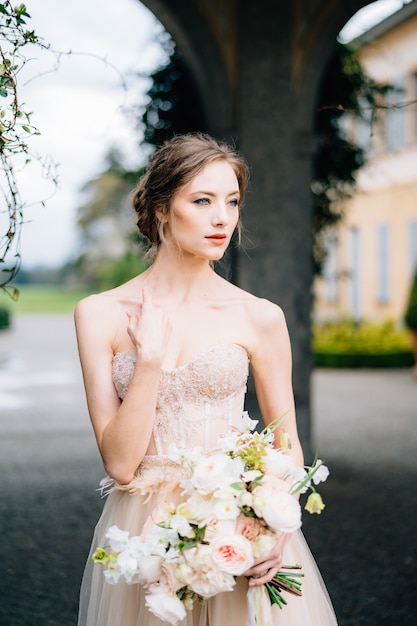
[102, 604]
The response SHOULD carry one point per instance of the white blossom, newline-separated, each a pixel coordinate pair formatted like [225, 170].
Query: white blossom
[166, 607]
[321, 473]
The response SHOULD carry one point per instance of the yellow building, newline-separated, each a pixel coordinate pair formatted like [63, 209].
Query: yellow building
[373, 255]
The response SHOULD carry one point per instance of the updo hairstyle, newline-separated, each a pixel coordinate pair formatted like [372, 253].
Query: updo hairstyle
[172, 166]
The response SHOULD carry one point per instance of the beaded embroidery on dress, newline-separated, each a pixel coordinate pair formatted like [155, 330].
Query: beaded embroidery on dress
[196, 402]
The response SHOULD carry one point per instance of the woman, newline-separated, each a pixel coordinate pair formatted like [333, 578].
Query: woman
[165, 359]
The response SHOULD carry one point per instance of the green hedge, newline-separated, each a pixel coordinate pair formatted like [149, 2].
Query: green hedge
[4, 318]
[410, 316]
[350, 344]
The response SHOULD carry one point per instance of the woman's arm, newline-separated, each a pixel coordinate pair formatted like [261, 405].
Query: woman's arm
[123, 429]
[271, 364]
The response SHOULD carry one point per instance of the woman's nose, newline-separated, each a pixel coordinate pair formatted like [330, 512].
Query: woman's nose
[220, 214]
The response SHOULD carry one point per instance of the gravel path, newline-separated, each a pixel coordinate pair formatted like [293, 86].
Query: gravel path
[364, 542]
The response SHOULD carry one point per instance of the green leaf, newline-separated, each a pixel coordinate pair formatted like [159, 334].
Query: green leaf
[238, 486]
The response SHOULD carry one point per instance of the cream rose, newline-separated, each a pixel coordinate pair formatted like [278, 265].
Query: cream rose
[280, 510]
[263, 545]
[213, 473]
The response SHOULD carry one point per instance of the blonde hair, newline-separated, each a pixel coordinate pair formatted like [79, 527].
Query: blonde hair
[172, 166]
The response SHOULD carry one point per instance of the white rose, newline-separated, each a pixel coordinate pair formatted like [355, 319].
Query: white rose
[117, 538]
[196, 509]
[219, 528]
[232, 554]
[277, 463]
[211, 582]
[280, 510]
[261, 495]
[213, 472]
[283, 513]
[166, 607]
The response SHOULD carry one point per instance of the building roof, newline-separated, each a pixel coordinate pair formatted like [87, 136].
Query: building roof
[395, 19]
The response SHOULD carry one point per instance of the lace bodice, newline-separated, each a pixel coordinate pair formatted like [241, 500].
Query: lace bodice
[196, 401]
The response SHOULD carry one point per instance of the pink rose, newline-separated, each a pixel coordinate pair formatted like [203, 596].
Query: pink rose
[232, 554]
[249, 527]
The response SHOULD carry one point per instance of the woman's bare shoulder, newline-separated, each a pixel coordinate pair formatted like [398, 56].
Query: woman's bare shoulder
[261, 311]
[110, 301]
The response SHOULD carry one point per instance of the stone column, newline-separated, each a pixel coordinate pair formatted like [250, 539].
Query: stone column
[276, 260]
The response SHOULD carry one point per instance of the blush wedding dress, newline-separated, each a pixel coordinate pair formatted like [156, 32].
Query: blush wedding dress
[196, 402]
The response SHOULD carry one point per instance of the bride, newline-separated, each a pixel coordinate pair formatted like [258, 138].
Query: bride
[165, 359]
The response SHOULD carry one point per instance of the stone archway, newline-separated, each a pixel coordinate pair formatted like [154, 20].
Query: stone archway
[257, 66]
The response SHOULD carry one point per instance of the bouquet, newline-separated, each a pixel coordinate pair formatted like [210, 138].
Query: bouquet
[237, 500]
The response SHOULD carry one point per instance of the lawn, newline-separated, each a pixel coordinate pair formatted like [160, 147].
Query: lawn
[41, 299]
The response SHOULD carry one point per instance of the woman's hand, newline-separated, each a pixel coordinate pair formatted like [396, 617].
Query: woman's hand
[267, 566]
[149, 331]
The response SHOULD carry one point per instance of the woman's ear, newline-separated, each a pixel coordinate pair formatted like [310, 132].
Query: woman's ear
[162, 215]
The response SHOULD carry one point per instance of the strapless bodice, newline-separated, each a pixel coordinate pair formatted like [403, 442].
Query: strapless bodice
[196, 401]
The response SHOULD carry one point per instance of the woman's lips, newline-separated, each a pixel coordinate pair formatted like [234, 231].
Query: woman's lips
[217, 239]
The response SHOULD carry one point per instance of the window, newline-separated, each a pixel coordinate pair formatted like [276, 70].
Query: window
[412, 246]
[414, 105]
[330, 268]
[394, 121]
[382, 264]
[354, 264]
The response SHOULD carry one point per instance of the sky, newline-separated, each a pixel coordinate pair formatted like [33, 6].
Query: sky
[78, 108]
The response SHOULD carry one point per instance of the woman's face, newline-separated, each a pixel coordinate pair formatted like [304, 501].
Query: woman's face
[204, 212]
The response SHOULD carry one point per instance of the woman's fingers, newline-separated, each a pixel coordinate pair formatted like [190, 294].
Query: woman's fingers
[263, 577]
[149, 328]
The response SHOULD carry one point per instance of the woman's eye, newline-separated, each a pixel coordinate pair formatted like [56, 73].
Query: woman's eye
[202, 201]
[234, 202]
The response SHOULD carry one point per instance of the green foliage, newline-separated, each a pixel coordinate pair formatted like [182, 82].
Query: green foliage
[107, 193]
[113, 251]
[110, 274]
[174, 106]
[4, 317]
[43, 299]
[347, 343]
[410, 316]
[344, 88]
[16, 128]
